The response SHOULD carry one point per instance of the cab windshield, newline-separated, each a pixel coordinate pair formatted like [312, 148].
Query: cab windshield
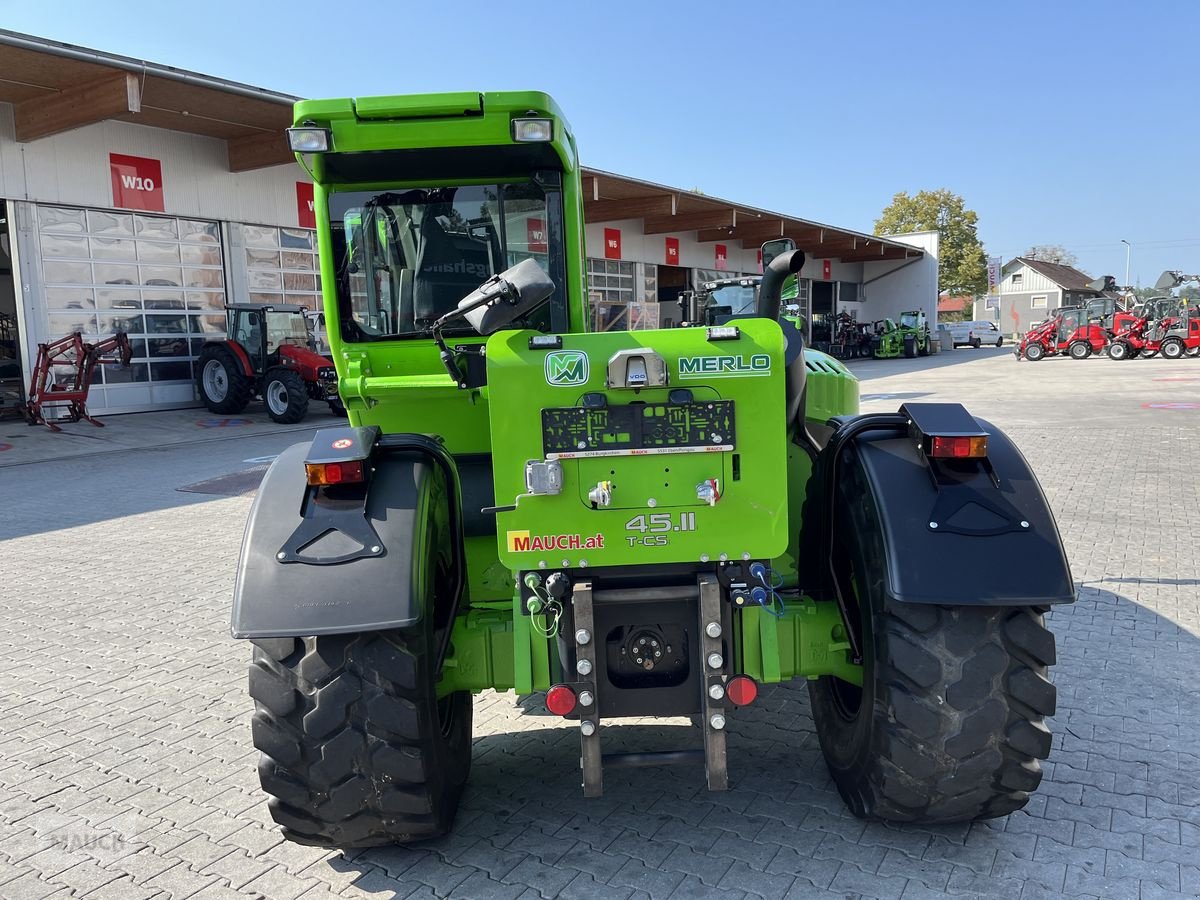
[741, 298]
[287, 328]
[404, 258]
[910, 320]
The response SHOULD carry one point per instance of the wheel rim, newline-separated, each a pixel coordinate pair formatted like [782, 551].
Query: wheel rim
[277, 397]
[216, 380]
[1172, 350]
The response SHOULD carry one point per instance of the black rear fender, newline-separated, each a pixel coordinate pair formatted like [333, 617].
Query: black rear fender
[964, 533]
[362, 563]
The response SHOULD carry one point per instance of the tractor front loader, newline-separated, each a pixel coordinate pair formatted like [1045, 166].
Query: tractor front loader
[626, 524]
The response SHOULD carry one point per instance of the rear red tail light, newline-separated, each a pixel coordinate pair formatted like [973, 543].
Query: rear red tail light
[560, 700]
[334, 472]
[742, 690]
[959, 447]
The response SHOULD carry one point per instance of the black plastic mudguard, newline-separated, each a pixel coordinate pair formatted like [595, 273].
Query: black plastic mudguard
[369, 591]
[966, 537]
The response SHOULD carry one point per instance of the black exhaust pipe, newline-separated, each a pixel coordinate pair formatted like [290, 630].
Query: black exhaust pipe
[774, 275]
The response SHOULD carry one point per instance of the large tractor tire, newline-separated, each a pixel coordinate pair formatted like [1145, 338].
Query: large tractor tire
[910, 346]
[1080, 350]
[357, 750]
[286, 396]
[223, 386]
[1034, 352]
[949, 725]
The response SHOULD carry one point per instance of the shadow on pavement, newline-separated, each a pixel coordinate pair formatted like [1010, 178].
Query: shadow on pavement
[58, 494]
[1117, 744]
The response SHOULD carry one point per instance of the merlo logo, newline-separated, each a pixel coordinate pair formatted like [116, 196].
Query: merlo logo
[566, 367]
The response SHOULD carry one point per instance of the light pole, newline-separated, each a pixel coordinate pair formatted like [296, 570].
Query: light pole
[1128, 248]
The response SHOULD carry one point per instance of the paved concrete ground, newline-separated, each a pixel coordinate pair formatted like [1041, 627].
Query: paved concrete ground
[21, 443]
[126, 769]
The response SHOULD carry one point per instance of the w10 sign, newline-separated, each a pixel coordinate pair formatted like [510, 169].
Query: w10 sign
[137, 182]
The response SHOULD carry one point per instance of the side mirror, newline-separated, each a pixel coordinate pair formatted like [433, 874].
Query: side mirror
[504, 298]
[772, 249]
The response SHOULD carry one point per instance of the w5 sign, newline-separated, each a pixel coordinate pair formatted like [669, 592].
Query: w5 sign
[137, 182]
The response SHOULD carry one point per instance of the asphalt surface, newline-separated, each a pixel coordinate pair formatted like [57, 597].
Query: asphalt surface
[126, 769]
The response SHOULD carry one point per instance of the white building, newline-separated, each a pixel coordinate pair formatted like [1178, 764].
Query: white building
[139, 197]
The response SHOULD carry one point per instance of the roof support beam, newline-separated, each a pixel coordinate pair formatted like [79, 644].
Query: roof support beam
[692, 221]
[258, 151]
[632, 208]
[85, 104]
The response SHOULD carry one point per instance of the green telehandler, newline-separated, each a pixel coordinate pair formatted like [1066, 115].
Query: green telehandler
[626, 524]
[908, 338]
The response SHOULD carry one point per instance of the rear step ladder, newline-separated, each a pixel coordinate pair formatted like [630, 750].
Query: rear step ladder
[592, 760]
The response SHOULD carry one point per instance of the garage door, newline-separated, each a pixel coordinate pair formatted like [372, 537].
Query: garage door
[160, 279]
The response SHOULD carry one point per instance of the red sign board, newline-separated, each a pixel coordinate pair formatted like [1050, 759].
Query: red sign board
[536, 235]
[306, 215]
[137, 182]
[721, 256]
[672, 251]
[760, 260]
[826, 269]
[612, 243]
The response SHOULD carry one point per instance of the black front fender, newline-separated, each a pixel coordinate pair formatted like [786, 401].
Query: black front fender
[971, 540]
[367, 592]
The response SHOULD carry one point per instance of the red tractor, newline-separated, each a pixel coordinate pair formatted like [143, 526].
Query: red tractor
[1164, 325]
[269, 352]
[1070, 331]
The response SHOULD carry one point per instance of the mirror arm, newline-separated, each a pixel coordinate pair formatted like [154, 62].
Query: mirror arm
[503, 292]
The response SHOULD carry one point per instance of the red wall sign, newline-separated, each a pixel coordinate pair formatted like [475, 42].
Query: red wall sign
[136, 182]
[760, 259]
[826, 269]
[612, 243]
[306, 215]
[721, 256]
[536, 235]
[672, 251]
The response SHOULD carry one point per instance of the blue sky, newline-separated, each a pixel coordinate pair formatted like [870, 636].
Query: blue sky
[1073, 123]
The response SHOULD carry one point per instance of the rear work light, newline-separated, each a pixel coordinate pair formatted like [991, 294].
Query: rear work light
[321, 474]
[958, 447]
[532, 131]
[560, 700]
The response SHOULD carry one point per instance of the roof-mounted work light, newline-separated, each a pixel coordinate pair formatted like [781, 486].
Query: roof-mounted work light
[533, 131]
[308, 139]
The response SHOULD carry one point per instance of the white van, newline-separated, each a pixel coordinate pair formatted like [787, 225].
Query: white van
[974, 334]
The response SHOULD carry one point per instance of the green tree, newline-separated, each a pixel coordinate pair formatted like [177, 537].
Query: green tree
[1054, 253]
[962, 268]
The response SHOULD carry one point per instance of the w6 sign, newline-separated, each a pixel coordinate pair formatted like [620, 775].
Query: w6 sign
[136, 182]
